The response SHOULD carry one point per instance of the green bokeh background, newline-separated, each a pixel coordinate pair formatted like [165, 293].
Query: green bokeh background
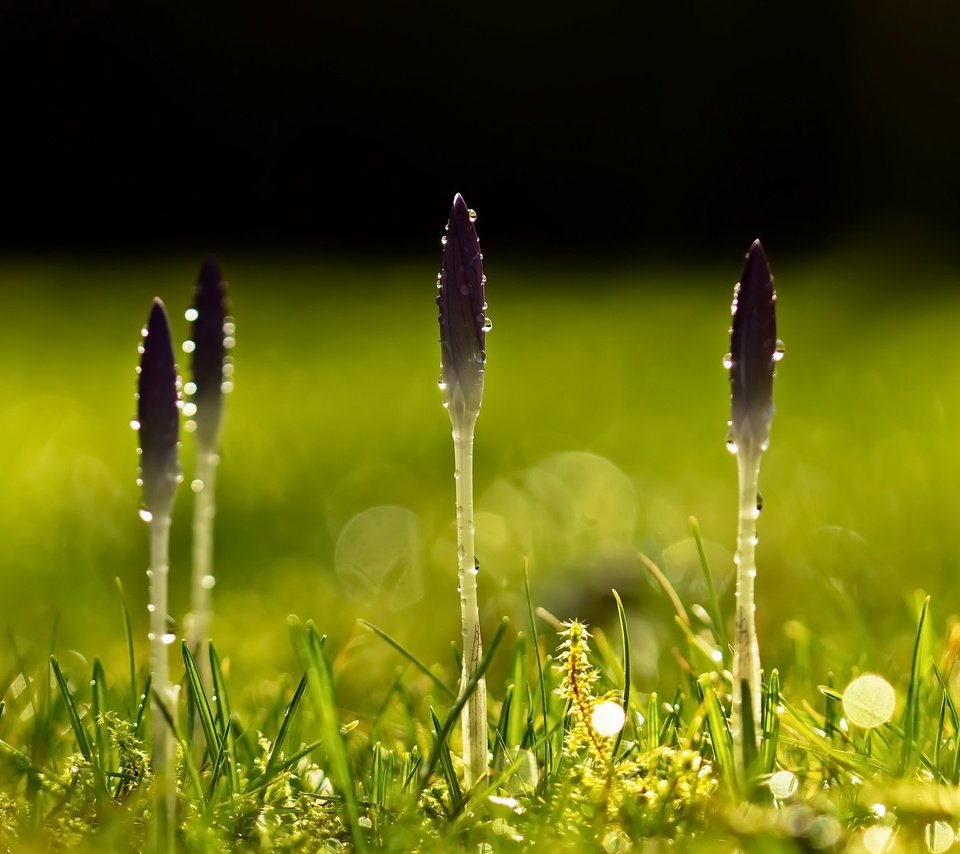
[602, 431]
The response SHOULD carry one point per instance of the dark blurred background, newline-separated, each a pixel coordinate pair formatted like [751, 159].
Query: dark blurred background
[628, 127]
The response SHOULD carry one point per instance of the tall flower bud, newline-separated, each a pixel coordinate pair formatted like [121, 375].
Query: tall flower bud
[463, 322]
[208, 345]
[753, 352]
[158, 415]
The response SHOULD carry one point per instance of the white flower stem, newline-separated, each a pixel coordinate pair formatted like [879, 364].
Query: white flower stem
[204, 511]
[163, 758]
[473, 719]
[746, 651]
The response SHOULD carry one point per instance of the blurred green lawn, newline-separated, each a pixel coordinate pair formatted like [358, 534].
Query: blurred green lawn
[602, 430]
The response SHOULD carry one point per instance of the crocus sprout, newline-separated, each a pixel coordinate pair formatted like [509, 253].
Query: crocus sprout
[158, 415]
[754, 352]
[211, 338]
[463, 328]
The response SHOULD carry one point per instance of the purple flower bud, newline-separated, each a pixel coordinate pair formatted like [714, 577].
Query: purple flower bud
[463, 323]
[209, 337]
[158, 414]
[753, 351]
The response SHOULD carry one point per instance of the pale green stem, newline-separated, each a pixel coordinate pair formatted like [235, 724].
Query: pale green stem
[163, 758]
[746, 651]
[204, 511]
[473, 719]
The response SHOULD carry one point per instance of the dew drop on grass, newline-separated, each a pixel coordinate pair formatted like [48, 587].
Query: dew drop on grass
[226, 386]
[783, 784]
[151, 608]
[229, 342]
[472, 214]
[779, 351]
[189, 409]
[196, 485]
[732, 445]
[134, 424]
[189, 346]
[190, 426]
[487, 324]
[191, 314]
[168, 638]
[146, 515]
[190, 388]
[728, 361]
[208, 582]
[607, 718]
[229, 327]
[443, 240]
[939, 837]
[869, 701]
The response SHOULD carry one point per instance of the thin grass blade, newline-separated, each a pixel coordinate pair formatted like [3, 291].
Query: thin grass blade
[627, 670]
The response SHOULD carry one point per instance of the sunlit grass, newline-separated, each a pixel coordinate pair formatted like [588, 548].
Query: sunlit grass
[603, 432]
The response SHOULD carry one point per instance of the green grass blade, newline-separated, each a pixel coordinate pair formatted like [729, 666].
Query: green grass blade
[720, 736]
[911, 713]
[416, 662]
[453, 715]
[262, 782]
[955, 721]
[503, 728]
[83, 740]
[98, 706]
[131, 658]
[547, 752]
[625, 645]
[224, 711]
[653, 722]
[200, 702]
[445, 762]
[716, 615]
[325, 701]
[515, 724]
[142, 708]
[288, 714]
[771, 724]
[185, 751]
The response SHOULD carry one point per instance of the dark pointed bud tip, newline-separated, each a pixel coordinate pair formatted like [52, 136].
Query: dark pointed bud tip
[209, 337]
[158, 414]
[210, 275]
[753, 350]
[463, 321]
